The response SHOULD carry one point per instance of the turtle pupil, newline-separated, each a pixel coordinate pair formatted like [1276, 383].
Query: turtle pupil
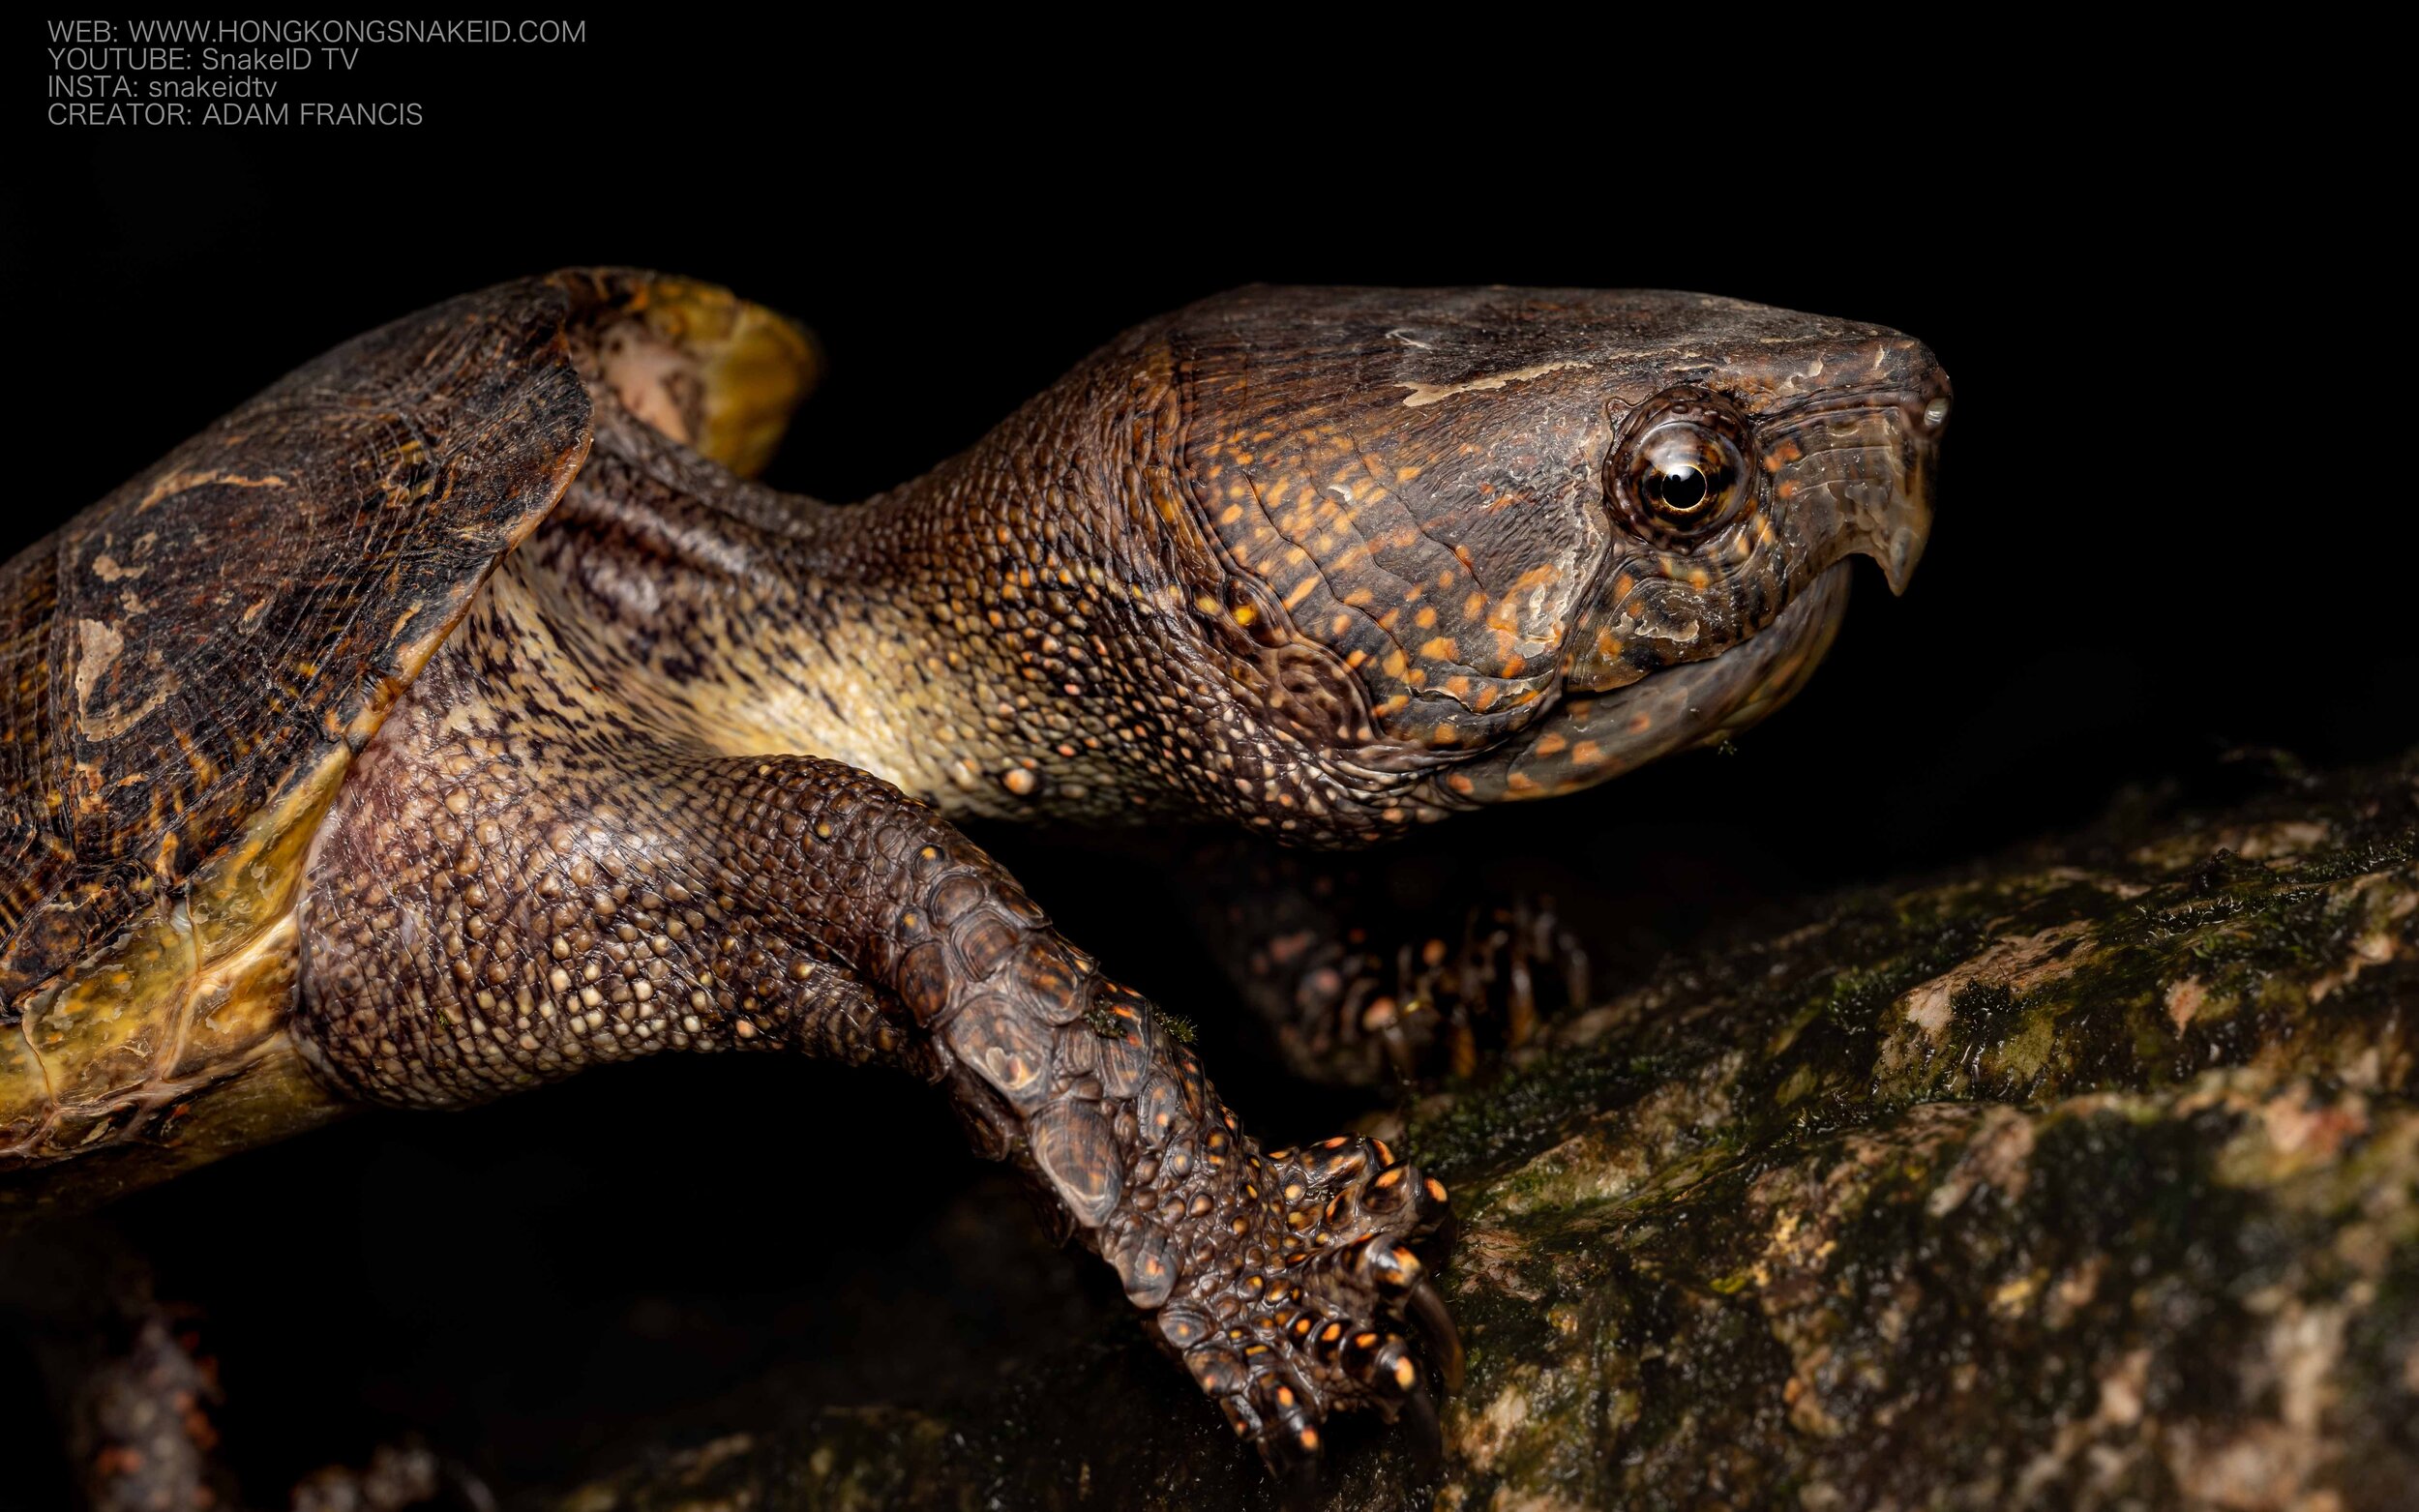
[1681, 479]
[1683, 489]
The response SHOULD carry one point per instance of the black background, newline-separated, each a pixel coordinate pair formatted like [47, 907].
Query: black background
[2167, 531]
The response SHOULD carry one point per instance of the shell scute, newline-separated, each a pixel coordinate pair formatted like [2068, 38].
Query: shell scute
[187, 668]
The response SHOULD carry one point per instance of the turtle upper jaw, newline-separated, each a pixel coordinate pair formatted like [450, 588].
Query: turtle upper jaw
[1859, 474]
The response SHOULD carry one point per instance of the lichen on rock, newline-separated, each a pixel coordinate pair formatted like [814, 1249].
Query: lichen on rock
[2088, 1178]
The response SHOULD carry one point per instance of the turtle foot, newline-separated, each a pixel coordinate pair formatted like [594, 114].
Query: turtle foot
[1329, 1310]
[1362, 1003]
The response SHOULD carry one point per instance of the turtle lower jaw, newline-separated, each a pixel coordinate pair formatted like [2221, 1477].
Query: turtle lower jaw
[1588, 738]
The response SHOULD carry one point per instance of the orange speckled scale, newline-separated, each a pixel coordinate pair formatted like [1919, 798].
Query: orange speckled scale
[459, 714]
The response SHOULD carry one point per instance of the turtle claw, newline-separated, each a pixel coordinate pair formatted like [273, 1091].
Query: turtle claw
[1330, 1312]
[1437, 1333]
[1289, 1441]
[1298, 1479]
[1417, 1415]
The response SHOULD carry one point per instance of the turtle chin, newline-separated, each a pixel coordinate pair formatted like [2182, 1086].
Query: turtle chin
[1586, 738]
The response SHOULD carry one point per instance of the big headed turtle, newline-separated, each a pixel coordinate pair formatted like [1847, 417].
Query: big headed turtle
[457, 714]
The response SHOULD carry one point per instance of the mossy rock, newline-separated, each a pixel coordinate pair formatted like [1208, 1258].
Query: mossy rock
[2088, 1178]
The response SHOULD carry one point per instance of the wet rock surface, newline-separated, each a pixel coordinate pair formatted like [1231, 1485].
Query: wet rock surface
[2088, 1178]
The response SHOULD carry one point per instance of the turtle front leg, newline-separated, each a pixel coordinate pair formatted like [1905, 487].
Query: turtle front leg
[698, 901]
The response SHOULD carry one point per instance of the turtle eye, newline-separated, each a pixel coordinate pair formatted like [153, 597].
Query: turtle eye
[1688, 477]
[1682, 474]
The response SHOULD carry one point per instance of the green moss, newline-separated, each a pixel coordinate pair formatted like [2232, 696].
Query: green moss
[1985, 1011]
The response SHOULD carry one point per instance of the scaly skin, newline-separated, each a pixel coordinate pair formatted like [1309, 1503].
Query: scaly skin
[1324, 563]
[538, 866]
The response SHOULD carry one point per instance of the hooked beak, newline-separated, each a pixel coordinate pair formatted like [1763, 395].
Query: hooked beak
[1854, 475]
[1898, 547]
[1861, 474]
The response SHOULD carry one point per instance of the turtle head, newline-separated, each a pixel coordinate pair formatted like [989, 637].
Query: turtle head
[1538, 537]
